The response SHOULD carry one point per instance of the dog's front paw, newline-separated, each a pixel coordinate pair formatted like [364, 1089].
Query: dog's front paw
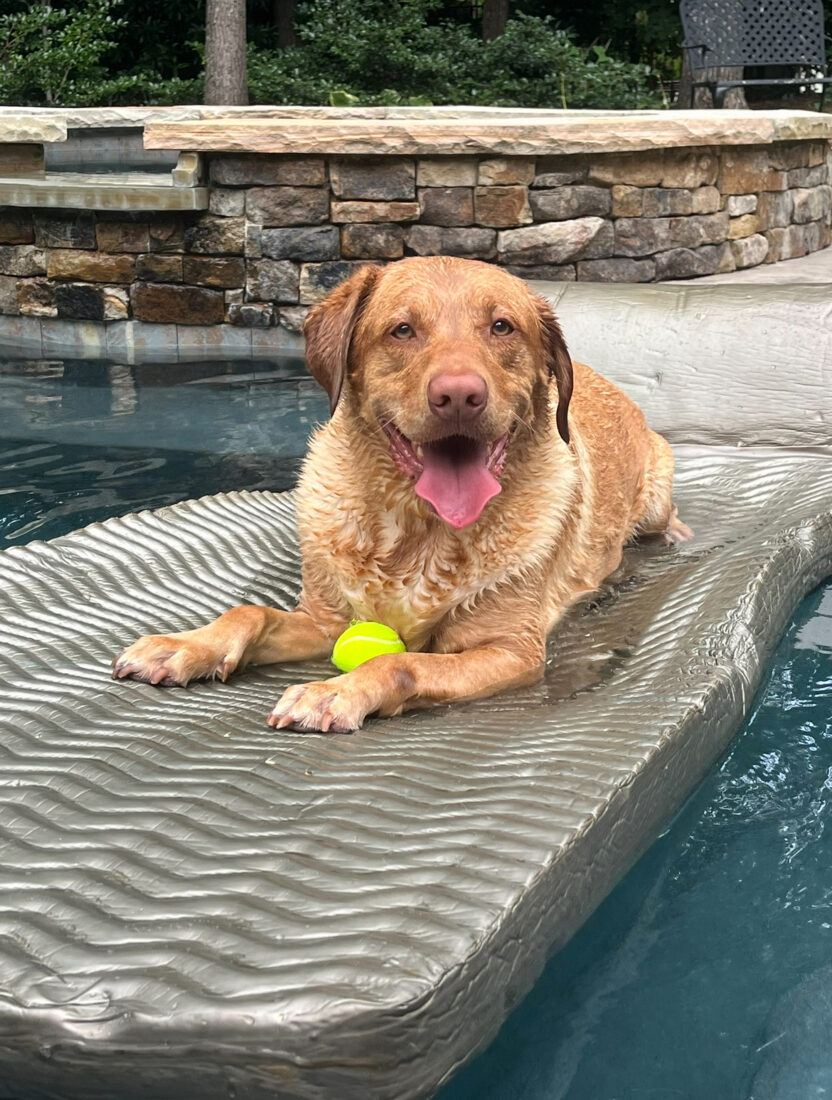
[338, 705]
[172, 660]
[677, 532]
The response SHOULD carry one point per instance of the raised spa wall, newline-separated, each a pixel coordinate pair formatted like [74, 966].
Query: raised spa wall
[282, 228]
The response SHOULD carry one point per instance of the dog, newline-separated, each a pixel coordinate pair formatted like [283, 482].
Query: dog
[472, 484]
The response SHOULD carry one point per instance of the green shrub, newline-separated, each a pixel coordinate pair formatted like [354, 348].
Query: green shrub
[57, 57]
[383, 52]
[144, 88]
[378, 53]
[49, 55]
[535, 64]
[371, 49]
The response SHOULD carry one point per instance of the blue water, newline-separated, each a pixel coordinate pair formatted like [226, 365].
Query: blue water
[81, 441]
[707, 974]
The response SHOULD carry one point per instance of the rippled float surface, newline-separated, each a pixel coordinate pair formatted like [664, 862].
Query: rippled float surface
[707, 973]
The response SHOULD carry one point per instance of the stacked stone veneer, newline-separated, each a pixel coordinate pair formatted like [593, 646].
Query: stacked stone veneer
[282, 230]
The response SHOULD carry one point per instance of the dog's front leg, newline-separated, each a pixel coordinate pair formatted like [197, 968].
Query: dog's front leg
[395, 682]
[247, 635]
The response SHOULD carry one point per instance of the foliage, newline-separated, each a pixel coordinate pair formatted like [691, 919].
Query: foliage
[535, 64]
[645, 31]
[59, 56]
[361, 51]
[162, 37]
[363, 48]
[377, 53]
[54, 56]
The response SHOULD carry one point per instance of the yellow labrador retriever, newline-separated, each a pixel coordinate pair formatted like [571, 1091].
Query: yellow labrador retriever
[472, 484]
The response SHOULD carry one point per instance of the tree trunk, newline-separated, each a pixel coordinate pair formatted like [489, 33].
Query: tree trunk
[283, 17]
[684, 98]
[494, 18]
[703, 97]
[225, 53]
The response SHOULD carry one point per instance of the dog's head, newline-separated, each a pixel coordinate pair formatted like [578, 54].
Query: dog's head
[449, 358]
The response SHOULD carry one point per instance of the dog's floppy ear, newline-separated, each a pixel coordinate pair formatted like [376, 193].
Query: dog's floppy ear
[329, 327]
[559, 363]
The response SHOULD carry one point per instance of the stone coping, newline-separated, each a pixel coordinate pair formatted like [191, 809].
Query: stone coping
[416, 130]
[524, 134]
[102, 191]
[128, 117]
[30, 128]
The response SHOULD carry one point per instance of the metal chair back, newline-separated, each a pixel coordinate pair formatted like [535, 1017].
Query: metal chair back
[729, 33]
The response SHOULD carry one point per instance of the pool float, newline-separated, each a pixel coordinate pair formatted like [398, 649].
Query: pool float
[195, 906]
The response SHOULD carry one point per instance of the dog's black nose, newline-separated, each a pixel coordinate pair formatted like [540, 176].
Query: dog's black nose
[459, 397]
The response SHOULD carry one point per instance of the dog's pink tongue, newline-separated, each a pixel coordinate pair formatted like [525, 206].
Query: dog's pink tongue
[457, 482]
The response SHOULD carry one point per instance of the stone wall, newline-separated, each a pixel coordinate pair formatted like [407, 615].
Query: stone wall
[282, 230]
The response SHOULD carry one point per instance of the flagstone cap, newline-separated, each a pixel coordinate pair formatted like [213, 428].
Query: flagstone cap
[457, 131]
[30, 128]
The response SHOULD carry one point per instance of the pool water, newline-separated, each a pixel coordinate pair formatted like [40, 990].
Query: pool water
[707, 974]
[80, 441]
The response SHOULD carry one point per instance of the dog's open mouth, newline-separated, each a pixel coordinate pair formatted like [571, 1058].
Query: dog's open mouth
[457, 475]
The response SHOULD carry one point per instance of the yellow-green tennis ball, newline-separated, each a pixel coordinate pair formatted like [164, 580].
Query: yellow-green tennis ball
[363, 641]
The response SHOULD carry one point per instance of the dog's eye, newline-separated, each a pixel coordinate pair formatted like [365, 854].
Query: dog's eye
[502, 327]
[403, 332]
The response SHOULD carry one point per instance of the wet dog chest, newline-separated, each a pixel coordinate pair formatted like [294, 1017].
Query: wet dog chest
[406, 584]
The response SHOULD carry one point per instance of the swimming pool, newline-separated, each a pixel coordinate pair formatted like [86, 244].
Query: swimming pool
[704, 973]
[80, 441]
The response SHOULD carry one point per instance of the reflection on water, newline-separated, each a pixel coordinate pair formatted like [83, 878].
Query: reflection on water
[706, 973]
[48, 489]
[82, 441]
[259, 407]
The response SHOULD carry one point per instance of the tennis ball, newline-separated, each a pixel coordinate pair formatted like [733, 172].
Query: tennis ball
[361, 642]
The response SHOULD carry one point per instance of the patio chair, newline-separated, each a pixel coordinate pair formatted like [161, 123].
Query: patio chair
[734, 34]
